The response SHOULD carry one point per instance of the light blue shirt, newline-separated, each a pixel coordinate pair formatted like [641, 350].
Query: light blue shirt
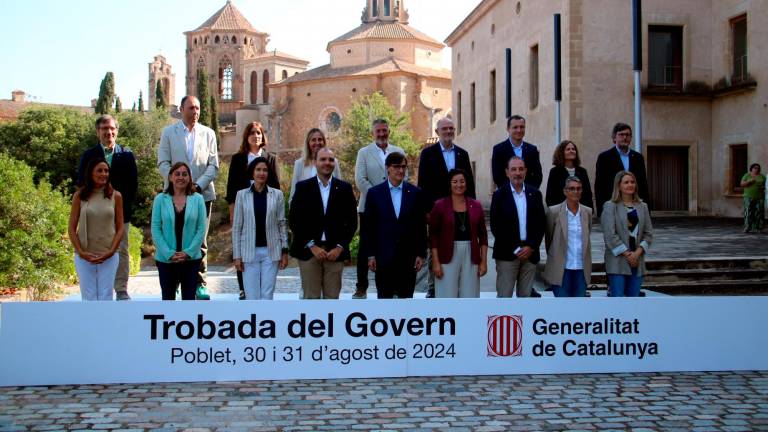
[624, 158]
[449, 156]
[517, 149]
[396, 193]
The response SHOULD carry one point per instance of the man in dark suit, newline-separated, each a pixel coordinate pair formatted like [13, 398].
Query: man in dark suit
[517, 222]
[434, 164]
[619, 158]
[124, 177]
[323, 219]
[395, 231]
[515, 146]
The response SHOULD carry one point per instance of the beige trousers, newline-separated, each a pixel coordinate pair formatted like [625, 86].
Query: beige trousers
[460, 279]
[514, 274]
[124, 267]
[320, 279]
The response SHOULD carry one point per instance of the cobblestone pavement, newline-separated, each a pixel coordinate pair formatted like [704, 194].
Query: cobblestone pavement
[727, 401]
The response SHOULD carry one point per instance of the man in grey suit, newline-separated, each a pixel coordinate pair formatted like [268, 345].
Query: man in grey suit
[190, 142]
[370, 171]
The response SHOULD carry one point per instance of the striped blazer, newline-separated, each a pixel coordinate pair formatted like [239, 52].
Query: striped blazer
[244, 225]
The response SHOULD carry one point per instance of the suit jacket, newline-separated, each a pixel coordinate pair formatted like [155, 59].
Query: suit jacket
[556, 239]
[123, 174]
[616, 235]
[205, 161]
[370, 170]
[303, 172]
[164, 227]
[506, 228]
[244, 225]
[307, 220]
[433, 173]
[502, 152]
[387, 236]
[608, 164]
[442, 229]
[238, 179]
[556, 183]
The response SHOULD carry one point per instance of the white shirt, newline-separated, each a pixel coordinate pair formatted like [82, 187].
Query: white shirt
[383, 153]
[522, 211]
[449, 156]
[189, 140]
[252, 155]
[573, 255]
[396, 193]
[624, 158]
[325, 193]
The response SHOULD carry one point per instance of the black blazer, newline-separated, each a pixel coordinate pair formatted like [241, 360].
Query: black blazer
[502, 152]
[608, 164]
[307, 220]
[123, 174]
[505, 226]
[556, 183]
[386, 236]
[238, 174]
[433, 174]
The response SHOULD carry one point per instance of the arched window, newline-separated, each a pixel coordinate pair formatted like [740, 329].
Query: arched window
[387, 8]
[285, 74]
[226, 40]
[226, 82]
[217, 39]
[234, 40]
[332, 122]
[206, 40]
[264, 88]
[245, 41]
[195, 42]
[254, 87]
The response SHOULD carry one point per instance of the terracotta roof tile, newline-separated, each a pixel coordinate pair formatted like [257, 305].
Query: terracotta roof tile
[385, 30]
[383, 66]
[227, 18]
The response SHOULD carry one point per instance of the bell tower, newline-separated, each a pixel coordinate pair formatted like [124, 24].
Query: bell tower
[386, 11]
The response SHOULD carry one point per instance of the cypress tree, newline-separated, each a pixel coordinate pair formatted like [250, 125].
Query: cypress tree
[141, 101]
[118, 104]
[134, 107]
[159, 96]
[106, 94]
[202, 96]
[215, 118]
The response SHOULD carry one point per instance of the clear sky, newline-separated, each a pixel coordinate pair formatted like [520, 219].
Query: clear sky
[58, 51]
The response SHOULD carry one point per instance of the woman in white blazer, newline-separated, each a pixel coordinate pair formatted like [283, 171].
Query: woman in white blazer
[304, 167]
[628, 233]
[259, 233]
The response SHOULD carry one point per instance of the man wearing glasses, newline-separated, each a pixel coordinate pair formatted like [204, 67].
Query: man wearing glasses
[619, 158]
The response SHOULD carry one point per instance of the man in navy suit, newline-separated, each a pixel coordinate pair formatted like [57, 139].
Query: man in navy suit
[395, 231]
[619, 158]
[517, 223]
[124, 177]
[515, 146]
[323, 220]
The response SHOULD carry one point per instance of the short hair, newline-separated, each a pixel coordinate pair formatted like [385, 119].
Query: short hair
[514, 117]
[395, 158]
[618, 127]
[558, 157]
[307, 153]
[255, 162]
[616, 197]
[514, 157]
[105, 118]
[754, 165]
[324, 148]
[174, 168]
[244, 147]
[87, 186]
[571, 179]
[379, 121]
[184, 99]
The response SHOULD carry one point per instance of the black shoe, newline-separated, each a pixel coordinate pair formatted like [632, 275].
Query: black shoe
[242, 295]
[431, 293]
[535, 293]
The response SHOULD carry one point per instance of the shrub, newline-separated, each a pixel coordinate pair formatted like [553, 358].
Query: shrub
[135, 240]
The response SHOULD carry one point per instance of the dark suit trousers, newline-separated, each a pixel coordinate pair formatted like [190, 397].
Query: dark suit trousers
[396, 279]
[362, 261]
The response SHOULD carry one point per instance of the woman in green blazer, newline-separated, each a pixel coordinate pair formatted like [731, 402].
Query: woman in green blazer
[178, 228]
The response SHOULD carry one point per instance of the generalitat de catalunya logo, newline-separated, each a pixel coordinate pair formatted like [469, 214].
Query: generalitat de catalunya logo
[505, 335]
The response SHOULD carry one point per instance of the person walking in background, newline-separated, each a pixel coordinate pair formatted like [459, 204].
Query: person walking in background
[370, 171]
[754, 199]
[569, 251]
[253, 145]
[259, 233]
[179, 220]
[567, 163]
[124, 177]
[628, 233]
[459, 241]
[619, 158]
[395, 231]
[194, 144]
[304, 167]
[323, 220]
[515, 146]
[95, 230]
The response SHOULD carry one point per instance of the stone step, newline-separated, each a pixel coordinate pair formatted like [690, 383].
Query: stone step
[707, 275]
[726, 263]
[717, 287]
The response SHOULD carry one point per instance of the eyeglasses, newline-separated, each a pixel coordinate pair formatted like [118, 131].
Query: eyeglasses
[398, 167]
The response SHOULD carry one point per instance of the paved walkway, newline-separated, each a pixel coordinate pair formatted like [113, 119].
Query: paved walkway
[729, 401]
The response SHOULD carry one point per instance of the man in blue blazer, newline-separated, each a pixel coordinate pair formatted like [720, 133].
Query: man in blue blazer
[620, 157]
[515, 146]
[395, 231]
[517, 222]
[124, 177]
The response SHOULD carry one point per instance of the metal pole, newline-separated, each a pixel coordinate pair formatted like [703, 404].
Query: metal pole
[637, 45]
[638, 115]
[508, 82]
[558, 79]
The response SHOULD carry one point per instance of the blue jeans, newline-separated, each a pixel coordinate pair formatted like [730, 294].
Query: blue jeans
[625, 285]
[573, 284]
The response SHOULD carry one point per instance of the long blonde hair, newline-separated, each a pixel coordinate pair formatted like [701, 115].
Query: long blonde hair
[616, 197]
[307, 153]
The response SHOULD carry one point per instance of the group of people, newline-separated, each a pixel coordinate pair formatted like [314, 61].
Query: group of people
[438, 223]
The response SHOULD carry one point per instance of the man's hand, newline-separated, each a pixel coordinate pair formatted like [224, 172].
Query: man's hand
[319, 253]
[524, 253]
[419, 262]
[372, 264]
[334, 253]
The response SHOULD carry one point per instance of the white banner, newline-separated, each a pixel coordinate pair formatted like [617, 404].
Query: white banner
[128, 342]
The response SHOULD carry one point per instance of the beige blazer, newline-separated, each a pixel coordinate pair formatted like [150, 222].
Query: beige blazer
[205, 161]
[244, 225]
[370, 170]
[556, 240]
[616, 234]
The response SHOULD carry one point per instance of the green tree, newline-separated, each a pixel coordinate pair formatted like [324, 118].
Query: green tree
[118, 104]
[106, 94]
[202, 96]
[133, 109]
[215, 119]
[141, 101]
[356, 129]
[159, 96]
[33, 231]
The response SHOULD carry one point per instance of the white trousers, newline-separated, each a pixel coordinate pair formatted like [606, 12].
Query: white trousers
[96, 280]
[259, 276]
[460, 279]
